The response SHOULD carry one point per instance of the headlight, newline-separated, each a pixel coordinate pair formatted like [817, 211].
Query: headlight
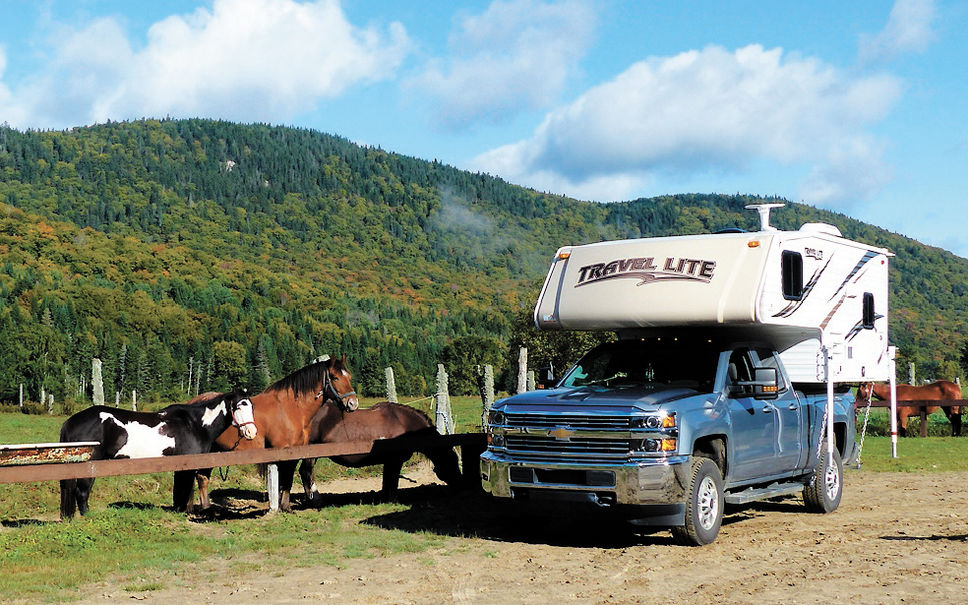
[655, 421]
[496, 417]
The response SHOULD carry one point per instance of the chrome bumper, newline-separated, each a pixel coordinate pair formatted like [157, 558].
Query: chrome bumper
[643, 482]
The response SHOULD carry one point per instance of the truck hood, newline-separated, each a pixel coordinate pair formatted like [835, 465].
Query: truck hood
[647, 399]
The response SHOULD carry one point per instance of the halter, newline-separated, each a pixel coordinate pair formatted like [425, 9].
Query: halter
[235, 422]
[330, 390]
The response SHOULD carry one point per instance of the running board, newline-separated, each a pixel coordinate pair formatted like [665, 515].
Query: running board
[773, 490]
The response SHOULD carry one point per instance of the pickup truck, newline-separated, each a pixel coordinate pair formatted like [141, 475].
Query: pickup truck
[669, 428]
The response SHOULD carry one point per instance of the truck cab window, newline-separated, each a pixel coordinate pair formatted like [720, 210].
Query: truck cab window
[792, 275]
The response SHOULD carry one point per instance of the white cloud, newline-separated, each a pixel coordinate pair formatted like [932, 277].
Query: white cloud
[248, 60]
[908, 29]
[702, 111]
[516, 55]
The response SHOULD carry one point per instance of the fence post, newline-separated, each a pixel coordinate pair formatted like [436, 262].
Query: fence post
[391, 386]
[21, 395]
[487, 393]
[523, 370]
[272, 486]
[443, 420]
[134, 400]
[97, 396]
[50, 404]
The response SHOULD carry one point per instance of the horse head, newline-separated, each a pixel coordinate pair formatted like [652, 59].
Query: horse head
[337, 386]
[242, 416]
[865, 391]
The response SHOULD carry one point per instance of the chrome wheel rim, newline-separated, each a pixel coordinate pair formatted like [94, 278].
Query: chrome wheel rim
[708, 503]
[831, 481]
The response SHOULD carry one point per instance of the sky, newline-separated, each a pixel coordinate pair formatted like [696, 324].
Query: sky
[857, 107]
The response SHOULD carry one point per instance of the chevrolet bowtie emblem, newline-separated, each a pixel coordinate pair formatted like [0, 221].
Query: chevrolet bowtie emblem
[561, 433]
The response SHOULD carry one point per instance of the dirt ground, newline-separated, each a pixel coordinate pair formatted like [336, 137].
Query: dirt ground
[896, 538]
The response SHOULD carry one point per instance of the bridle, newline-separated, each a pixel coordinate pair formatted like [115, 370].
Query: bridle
[235, 408]
[331, 393]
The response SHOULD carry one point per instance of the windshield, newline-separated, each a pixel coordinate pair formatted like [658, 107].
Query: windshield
[652, 362]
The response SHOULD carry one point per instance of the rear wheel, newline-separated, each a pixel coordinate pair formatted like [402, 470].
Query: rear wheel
[704, 507]
[824, 492]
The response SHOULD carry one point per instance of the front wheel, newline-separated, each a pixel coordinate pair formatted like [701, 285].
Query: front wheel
[704, 508]
[823, 493]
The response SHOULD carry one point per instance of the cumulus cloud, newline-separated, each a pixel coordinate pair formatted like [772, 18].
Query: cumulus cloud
[250, 60]
[908, 29]
[701, 111]
[516, 55]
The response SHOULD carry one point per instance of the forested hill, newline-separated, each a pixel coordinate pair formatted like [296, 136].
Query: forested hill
[218, 253]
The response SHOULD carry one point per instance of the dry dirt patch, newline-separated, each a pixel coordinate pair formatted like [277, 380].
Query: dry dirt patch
[897, 538]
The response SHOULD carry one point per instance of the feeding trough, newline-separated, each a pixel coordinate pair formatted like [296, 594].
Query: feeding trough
[44, 453]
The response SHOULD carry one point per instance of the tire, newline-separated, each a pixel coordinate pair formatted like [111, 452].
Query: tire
[704, 508]
[826, 487]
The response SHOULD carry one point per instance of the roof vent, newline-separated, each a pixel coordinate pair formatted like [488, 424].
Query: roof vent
[821, 228]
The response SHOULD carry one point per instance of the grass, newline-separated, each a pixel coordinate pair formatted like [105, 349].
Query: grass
[131, 538]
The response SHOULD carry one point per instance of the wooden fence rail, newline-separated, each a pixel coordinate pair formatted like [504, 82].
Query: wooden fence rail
[471, 445]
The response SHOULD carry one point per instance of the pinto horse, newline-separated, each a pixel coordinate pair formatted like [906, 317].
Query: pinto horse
[178, 429]
[397, 424]
[283, 414]
[936, 391]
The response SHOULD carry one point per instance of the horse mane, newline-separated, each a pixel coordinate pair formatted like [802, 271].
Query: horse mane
[306, 380]
[201, 401]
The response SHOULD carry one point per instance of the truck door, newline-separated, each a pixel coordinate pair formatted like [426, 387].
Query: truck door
[754, 425]
[789, 415]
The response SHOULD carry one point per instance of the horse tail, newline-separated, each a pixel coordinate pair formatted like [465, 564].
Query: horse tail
[68, 505]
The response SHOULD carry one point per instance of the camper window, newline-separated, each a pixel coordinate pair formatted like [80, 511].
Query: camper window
[868, 319]
[792, 275]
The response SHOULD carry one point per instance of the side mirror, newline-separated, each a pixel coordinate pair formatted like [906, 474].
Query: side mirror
[765, 385]
[546, 377]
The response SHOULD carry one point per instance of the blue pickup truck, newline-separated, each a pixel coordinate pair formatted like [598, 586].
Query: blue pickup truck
[668, 428]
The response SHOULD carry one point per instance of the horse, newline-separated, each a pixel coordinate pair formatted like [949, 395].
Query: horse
[936, 391]
[397, 424]
[283, 414]
[178, 429]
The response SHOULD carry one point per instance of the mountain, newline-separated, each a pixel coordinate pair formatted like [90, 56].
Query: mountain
[203, 254]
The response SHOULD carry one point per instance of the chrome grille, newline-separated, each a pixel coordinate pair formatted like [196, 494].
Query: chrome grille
[576, 446]
[551, 421]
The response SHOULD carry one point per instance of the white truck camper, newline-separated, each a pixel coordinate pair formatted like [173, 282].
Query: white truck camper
[819, 297]
[722, 386]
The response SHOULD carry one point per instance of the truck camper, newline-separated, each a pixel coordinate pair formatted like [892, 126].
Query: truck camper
[726, 383]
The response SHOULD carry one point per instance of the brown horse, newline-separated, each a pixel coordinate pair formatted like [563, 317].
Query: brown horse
[283, 414]
[399, 425]
[936, 391]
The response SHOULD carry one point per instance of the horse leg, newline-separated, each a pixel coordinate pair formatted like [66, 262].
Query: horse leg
[203, 477]
[287, 469]
[391, 477]
[954, 417]
[68, 489]
[306, 468]
[181, 491]
[83, 492]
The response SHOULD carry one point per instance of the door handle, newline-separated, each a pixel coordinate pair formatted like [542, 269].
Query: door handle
[793, 407]
[768, 408]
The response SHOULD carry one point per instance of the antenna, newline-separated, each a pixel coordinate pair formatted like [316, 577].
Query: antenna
[764, 210]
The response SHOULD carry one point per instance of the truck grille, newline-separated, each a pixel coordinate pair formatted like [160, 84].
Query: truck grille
[550, 421]
[574, 447]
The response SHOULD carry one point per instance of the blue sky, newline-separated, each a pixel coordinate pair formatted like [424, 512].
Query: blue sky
[857, 107]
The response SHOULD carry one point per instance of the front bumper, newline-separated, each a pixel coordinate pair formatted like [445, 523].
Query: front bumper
[646, 482]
